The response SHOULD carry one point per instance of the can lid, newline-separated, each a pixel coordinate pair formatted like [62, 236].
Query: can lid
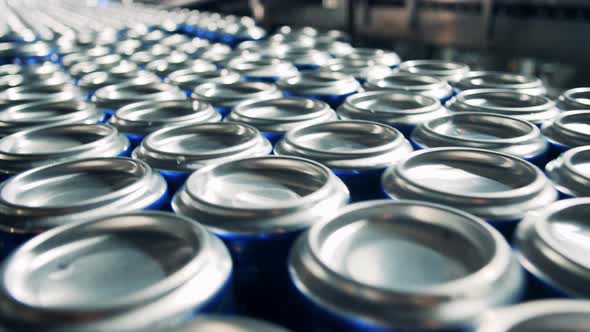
[552, 245]
[491, 185]
[405, 265]
[175, 264]
[164, 66]
[570, 172]
[189, 79]
[35, 70]
[300, 56]
[379, 56]
[127, 47]
[334, 48]
[411, 83]
[571, 129]
[38, 92]
[229, 95]
[52, 82]
[262, 68]
[244, 32]
[346, 145]
[391, 108]
[135, 90]
[319, 83]
[88, 66]
[217, 323]
[450, 71]
[261, 195]
[143, 118]
[153, 36]
[76, 190]
[174, 40]
[282, 114]
[501, 80]
[25, 49]
[482, 130]
[545, 315]
[361, 69]
[192, 147]
[536, 109]
[575, 99]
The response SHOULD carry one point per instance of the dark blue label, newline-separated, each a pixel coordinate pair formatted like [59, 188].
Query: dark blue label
[556, 149]
[135, 140]
[266, 79]
[362, 184]
[175, 180]
[273, 137]
[224, 111]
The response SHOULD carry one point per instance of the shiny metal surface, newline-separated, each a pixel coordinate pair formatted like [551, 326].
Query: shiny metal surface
[45, 145]
[282, 114]
[361, 69]
[539, 316]
[263, 69]
[40, 49]
[346, 145]
[58, 194]
[536, 109]
[501, 80]
[379, 56]
[192, 147]
[411, 83]
[213, 323]
[144, 118]
[262, 195]
[100, 79]
[569, 129]
[552, 245]
[319, 83]
[52, 82]
[574, 99]
[108, 61]
[189, 79]
[77, 277]
[301, 56]
[570, 172]
[494, 186]
[33, 70]
[26, 116]
[405, 265]
[136, 90]
[165, 65]
[173, 40]
[449, 71]
[230, 95]
[484, 131]
[33, 93]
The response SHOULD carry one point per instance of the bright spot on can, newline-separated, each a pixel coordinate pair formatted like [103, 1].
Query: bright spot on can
[570, 173]
[262, 70]
[189, 79]
[221, 323]
[89, 83]
[574, 99]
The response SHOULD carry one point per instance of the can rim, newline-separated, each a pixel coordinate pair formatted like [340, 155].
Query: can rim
[559, 131]
[319, 82]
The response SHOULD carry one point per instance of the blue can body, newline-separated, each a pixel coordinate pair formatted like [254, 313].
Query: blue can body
[555, 149]
[222, 303]
[333, 100]
[135, 139]
[363, 184]
[537, 289]
[175, 180]
[267, 79]
[273, 138]
[224, 111]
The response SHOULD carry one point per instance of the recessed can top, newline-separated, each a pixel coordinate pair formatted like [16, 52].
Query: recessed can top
[379, 56]
[491, 185]
[319, 83]
[100, 79]
[40, 49]
[570, 129]
[361, 69]
[553, 245]
[229, 95]
[166, 65]
[174, 40]
[300, 56]
[570, 172]
[145, 117]
[76, 190]
[536, 109]
[215, 323]
[262, 68]
[574, 99]
[77, 277]
[346, 145]
[447, 70]
[189, 79]
[501, 80]
[482, 130]
[136, 90]
[33, 70]
[405, 264]
[410, 83]
[50, 83]
[282, 114]
[38, 92]
[261, 195]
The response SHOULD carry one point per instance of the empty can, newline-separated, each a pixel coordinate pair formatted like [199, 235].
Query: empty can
[329, 87]
[574, 99]
[412, 84]
[189, 79]
[501, 80]
[360, 69]
[89, 83]
[567, 130]
[262, 70]
[172, 62]
[38, 93]
[446, 70]
[379, 56]
[570, 174]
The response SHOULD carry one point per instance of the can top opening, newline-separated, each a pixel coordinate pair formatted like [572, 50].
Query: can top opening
[575, 122]
[407, 82]
[570, 172]
[487, 79]
[580, 96]
[391, 102]
[504, 99]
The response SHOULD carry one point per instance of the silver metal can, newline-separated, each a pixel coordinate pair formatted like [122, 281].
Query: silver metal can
[400, 110]
[379, 56]
[89, 83]
[401, 266]
[189, 79]
[194, 48]
[302, 58]
[550, 245]
[25, 53]
[568, 130]
[484, 131]
[129, 272]
[356, 151]
[127, 47]
[44, 69]
[51, 82]
[165, 65]
[38, 93]
[497, 187]
[218, 323]
[535, 109]
[574, 99]
[501, 80]
[361, 69]
[262, 70]
[410, 83]
[174, 40]
[547, 315]
[85, 55]
[275, 117]
[570, 174]
[446, 70]
[88, 66]
[142, 58]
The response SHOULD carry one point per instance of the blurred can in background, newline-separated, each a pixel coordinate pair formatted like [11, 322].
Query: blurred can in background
[329, 87]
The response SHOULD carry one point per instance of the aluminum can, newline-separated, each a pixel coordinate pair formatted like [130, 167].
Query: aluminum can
[75, 190]
[262, 70]
[379, 56]
[213, 323]
[38, 93]
[401, 266]
[568, 130]
[153, 37]
[224, 97]
[329, 87]
[105, 62]
[49, 112]
[189, 79]
[360, 69]
[137, 120]
[127, 47]
[174, 40]
[336, 49]
[356, 151]
[26, 53]
[89, 83]
[84, 55]
[275, 117]
[164, 66]
[550, 245]
[400, 110]
[484, 131]
[136, 271]
[110, 98]
[40, 146]
[497, 187]
[302, 58]
[414, 84]
[53, 82]
[142, 58]
[44, 69]
[178, 151]
[501, 80]
[547, 315]
[194, 48]
[258, 206]
[574, 99]
[446, 70]
[234, 34]
[570, 174]
[535, 109]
